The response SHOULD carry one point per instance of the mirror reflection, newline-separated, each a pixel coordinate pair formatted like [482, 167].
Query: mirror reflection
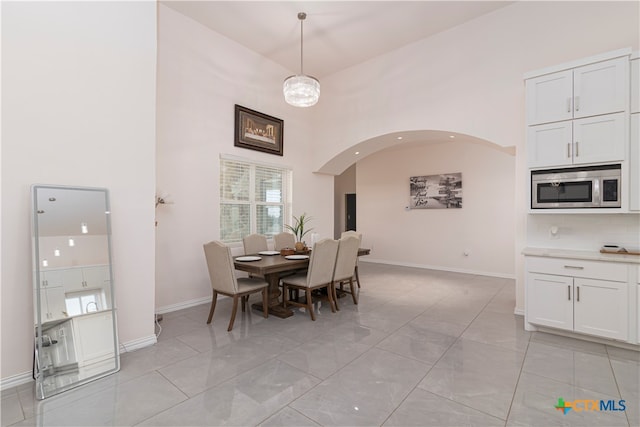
[74, 316]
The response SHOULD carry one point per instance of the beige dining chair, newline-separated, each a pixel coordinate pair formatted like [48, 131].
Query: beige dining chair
[359, 236]
[319, 275]
[254, 243]
[345, 265]
[224, 281]
[284, 240]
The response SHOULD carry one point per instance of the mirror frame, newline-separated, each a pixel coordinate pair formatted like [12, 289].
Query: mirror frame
[43, 392]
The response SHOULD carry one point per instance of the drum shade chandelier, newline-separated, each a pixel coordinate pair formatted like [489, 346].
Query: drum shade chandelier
[301, 90]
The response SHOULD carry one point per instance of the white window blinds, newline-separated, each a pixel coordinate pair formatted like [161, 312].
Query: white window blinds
[254, 198]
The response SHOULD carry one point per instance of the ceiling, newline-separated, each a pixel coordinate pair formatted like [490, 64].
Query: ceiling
[337, 34]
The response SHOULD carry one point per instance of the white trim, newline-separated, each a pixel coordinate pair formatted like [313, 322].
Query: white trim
[591, 338]
[440, 268]
[182, 305]
[137, 344]
[518, 311]
[580, 62]
[15, 380]
[233, 158]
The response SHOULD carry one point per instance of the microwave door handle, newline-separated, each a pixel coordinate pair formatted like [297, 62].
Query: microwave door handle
[596, 192]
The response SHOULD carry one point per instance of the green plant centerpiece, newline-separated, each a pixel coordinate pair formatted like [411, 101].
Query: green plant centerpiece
[300, 229]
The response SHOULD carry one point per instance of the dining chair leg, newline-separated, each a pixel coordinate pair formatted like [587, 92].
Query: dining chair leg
[214, 299]
[243, 302]
[357, 276]
[310, 305]
[353, 291]
[334, 292]
[233, 312]
[331, 300]
[265, 302]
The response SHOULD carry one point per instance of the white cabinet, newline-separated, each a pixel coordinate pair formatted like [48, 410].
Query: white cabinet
[52, 306]
[94, 337]
[634, 163]
[589, 140]
[590, 90]
[635, 85]
[76, 279]
[589, 297]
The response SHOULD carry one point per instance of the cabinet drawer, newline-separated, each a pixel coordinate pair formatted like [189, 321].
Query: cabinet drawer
[578, 268]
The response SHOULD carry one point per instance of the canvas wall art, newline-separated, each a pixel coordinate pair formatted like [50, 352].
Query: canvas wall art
[442, 191]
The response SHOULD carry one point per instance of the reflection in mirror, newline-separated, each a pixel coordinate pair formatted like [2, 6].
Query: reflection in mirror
[74, 316]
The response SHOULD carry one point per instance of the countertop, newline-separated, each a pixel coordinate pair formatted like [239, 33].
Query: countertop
[576, 254]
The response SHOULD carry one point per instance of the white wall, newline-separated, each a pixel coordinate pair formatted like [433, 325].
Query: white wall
[438, 238]
[78, 98]
[469, 80]
[201, 75]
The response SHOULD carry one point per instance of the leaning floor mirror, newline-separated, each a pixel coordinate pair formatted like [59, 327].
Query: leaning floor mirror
[74, 312]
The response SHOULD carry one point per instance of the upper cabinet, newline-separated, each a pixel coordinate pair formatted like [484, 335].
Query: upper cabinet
[635, 84]
[589, 90]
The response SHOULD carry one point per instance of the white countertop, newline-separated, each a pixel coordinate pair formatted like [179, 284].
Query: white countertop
[575, 254]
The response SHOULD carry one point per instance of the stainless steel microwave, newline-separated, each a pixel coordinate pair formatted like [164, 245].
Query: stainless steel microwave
[575, 188]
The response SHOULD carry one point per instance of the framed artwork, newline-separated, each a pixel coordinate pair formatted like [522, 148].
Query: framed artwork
[436, 191]
[258, 131]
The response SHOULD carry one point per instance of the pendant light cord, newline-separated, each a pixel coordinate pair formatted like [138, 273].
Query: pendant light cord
[301, 16]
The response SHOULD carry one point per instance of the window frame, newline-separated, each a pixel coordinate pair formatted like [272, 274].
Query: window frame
[286, 194]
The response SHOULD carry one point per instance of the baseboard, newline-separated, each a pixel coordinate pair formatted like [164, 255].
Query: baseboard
[518, 311]
[436, 267]
[15, 380]
[137, 344]
[183, 305]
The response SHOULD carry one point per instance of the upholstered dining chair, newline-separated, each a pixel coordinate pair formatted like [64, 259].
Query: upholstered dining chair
[254, 243]
[359, 236]
[345, 265]
[284, 240]
[224, 281]
[319, 275]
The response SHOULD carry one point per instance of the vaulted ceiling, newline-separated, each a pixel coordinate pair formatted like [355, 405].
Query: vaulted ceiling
[337, 34]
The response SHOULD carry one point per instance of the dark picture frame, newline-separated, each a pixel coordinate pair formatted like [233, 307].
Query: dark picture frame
[443, 191]
[258, 131]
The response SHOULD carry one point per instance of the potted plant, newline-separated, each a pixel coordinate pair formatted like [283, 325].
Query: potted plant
[300, 229]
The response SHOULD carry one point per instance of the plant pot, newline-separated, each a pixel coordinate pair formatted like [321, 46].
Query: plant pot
[300, 246]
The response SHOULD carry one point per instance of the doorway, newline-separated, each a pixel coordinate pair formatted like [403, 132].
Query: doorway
[350, 212]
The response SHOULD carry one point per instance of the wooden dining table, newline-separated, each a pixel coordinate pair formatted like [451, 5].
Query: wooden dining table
[272, 267]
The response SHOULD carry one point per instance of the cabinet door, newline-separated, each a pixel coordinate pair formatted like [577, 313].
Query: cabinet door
[96, 277]
[550, 98]
[73, 279]
[601, 88]
[549, 145]
[52, 305]
[52, 278]
[634, 163]
[601, 308]
[599, 139]
[635, 86]
[94, 337]
[550, 300]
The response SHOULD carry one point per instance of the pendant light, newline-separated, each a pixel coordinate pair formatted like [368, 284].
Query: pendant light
[301, 90]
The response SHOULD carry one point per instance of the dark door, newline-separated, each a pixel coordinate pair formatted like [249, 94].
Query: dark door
[350, 222]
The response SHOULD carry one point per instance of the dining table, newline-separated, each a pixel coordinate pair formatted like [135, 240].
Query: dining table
[272, 267]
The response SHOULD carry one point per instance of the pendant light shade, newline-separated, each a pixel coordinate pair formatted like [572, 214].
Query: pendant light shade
[301, 90]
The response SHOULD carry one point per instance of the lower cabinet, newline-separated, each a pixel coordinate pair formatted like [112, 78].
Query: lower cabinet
[594, 307]
[94, 337]
[588, 305]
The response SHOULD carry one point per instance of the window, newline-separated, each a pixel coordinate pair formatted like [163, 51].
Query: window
[254, 198]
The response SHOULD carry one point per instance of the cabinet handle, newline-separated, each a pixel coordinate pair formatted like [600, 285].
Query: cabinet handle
[569, 292]
[576, 150]
[575, 267]
[568, 150]
[578, 293]
[577, 103]
[568, 104]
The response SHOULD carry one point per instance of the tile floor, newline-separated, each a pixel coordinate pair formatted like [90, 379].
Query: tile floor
[422, 348]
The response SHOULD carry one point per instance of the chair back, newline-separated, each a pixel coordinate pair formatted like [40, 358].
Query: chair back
[254, 243]
[322, 262]
[220, 264]
[352, 233]
[284, 240]
[347, 258]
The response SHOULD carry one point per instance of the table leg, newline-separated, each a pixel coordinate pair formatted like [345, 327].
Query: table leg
[275, 305]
